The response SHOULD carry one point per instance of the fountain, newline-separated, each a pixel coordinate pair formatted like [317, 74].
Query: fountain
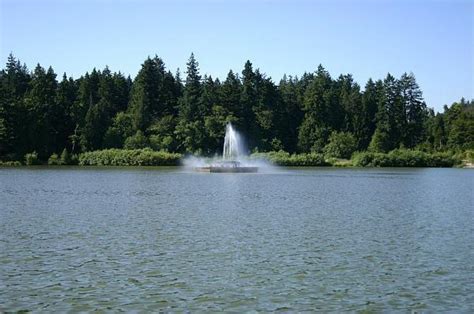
[231, 155]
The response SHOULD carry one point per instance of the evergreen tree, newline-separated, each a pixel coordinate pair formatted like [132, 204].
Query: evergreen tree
[390, 117]
[415, 111]
[316, 126]
[40, 102]
[41, 117]
[190, 106]
[436, 132]
[14, 82]
[146, 99]
[292, 114]
[190, 130]
[99, 115]
[121, 128]
[370, 99]
[230, 94]
[65, 97]
[460, 125]
[268, 114]
[248, 99]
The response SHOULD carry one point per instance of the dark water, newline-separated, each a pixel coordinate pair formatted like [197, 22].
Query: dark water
[321, 239]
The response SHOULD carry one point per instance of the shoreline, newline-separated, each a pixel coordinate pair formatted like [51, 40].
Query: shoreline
[4, 166]
[400, 158]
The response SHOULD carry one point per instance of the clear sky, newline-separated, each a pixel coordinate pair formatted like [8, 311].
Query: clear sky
[432, 39]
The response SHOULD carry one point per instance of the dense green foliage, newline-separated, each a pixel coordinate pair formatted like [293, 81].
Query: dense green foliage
[31, 159]
[341, 145]
[282, 158]
[314, 113]
[124, 157]
[404, 158]
[10, 163]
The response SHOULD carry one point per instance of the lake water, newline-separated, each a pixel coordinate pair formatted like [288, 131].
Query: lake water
[84, 239]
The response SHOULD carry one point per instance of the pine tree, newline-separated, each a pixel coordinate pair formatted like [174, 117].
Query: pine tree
[14, 82]
[99, 116]
[40, 102]
[87, 97]
[230, 94]
[189, 106]
[292, 113]
[390, 117]
[145, 94]
[415, 111]
[370, 99]
[65, 97]
[248, 99]
[268, 114]
[190, 129]
[319, 117]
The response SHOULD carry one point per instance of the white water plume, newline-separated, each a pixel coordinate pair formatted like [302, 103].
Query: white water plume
[232, 144]
[234, 150]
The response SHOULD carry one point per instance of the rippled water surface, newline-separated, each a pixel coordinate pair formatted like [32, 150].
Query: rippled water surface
[294, 240]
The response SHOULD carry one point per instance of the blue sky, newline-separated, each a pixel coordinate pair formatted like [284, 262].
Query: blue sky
[432, 39]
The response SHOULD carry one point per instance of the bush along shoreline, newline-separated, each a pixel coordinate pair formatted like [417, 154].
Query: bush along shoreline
[129, 157]
[405, 158]
[395, 158]
[282, 158]
[149, 157]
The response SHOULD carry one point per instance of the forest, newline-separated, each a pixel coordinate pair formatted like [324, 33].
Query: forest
[44, 115]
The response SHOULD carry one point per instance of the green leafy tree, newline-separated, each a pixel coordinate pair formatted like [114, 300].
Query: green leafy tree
[162, 133]
[313, 113]
[122, 127]
[136, 141]
[460, 122]
[341, 145]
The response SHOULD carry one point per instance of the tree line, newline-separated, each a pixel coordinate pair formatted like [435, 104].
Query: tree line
[313, 113]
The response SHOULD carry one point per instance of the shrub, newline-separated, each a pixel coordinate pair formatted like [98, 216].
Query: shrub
[54, 160]
[380, 142]
[282, 158]
[158, 142]
[470, 155]
[341, 145]
[14, 163]
[136, 141]
[124, 157]
[32, 159]
[404, 158]
[65, 158]
[335, 162]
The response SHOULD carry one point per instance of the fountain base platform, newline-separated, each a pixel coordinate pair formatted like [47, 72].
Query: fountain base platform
[227, 167]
